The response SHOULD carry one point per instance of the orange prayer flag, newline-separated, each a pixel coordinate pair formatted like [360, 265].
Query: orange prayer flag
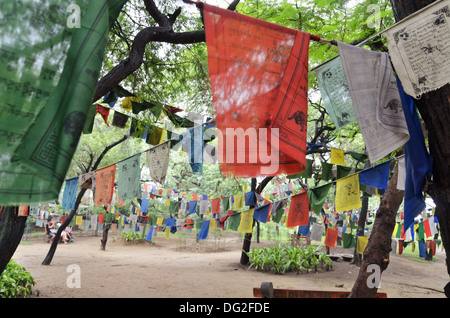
[23, 210]
[215, 205]
[104, 185]
[101, 218]
[298, 210]
[426, 227]
[331, 237]
[259, 81]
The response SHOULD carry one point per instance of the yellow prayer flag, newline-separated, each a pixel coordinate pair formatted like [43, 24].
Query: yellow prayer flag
[238, 203]
[156, 135]
[348, 193]
[337, 157]
[167, 232]
[167, 203]
[246, 222]
[267, 196]
[212, 223]
[159, 221]
[79, 220]
[395, 229]
[126, 103]
[361, 243]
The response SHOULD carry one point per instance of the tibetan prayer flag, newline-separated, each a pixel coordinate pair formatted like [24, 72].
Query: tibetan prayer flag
[238, 202]
[129, 179]
[192, 142]
[250, 198]
[192, 207]
[104, 185]
[79, 220]
[148, 238]
[234, 221]
[422, 252]
[259, 81]
[337, 157]
[215, 205]
[347, 193]
[155, 135]
[23, 210]
[86, 180]
[261, 213]
[174, 206]
[317, 232]
[204, 230]
[401, 176]
[70, 194]
[204, 205]
[49, 69]
[376, 176]
[348, 240]
[327, 173]
[304, 229]
[158, 161]
[317, 197]
[335, 94]
[418, 163]
[375, 98]
[246, 221]
[298, 210]
[361, 243]
[144, 205]
[331, 237]
[170, 222]
[418, 47]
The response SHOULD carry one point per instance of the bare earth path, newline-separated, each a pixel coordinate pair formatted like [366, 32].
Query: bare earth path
[164, 270]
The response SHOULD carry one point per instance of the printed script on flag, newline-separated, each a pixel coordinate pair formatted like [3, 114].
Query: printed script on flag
[259, 79]
[419, 47]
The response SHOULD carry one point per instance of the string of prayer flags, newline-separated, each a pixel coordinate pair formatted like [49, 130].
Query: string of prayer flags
[261, 213]
[317, 197]
[418, 49]
[418, 163]
[361, 244]
[375, 98]
[70, 194]
[56, 73]
[246, 221]
[104, 185]
[129, 185]
[331, 237]
[376, 176]
[347, 193]
[158, 161]
[298, 210]
[337, 157]
[271, 73]
[204, 230]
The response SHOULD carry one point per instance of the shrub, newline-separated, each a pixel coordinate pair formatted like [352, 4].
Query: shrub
[15, 281]
[285, 258]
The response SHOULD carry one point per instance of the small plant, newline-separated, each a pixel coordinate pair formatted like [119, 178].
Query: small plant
[133, 237]
[15, 281]
[285, 258]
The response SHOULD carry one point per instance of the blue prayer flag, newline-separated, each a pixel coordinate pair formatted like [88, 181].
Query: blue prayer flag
[149, 234]
[170, 221]
[261, 213]
[192, 207]
[250, 198]
[203, 233]
[304, 229]
[70, 194]
[144, 205]
[418, 163]
[376, 176]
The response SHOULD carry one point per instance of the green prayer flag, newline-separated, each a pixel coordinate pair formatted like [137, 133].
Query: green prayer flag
[226, 203]
[129, 186]
[421, 231]
[174, 205]
[278, 214]
[399, 231]
[49, 67]
[307, 173]
[348, 240]
[233, 221]
[327, 173]
[342, 171]
[317, 197]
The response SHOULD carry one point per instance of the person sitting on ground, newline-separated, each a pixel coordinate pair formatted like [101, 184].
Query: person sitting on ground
[67, 235]
[48, 229]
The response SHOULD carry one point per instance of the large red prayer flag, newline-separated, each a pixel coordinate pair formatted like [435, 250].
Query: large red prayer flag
[331, 237]
[259, 81]
[215, 205]
[299, 210]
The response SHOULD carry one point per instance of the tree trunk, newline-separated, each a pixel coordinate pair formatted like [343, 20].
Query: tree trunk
[376, 254]
[11, 231]
[105, 236]
[434, 108]
[248, 236]
[52, 250]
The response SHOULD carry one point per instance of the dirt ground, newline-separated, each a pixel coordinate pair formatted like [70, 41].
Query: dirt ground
[165, 269]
